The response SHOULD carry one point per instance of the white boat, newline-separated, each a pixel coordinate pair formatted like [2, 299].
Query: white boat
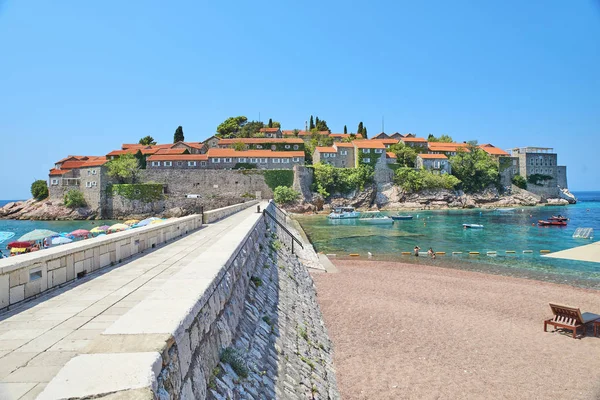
[375, 218]
[343, 213]
[504, 209]
[472, 226]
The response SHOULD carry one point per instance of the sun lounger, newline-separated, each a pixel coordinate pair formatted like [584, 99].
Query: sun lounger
[569, 318]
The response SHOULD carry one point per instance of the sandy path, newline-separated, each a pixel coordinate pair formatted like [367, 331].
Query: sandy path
[411, 331]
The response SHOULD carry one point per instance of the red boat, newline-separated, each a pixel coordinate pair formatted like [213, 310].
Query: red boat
[552, 223]
[559, 218]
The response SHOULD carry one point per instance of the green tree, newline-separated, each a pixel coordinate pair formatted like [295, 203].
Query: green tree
[364, 133]
[39, 189]
[345, 130]
[442, 139]
[519, 181]
[231, 126]
[239, 146]
[475, 168]
[296, 132]
[405, 155]
[321, 125]
[311, 125]
[284, 195]
[276, 124]
[250, 129]
[74, 198]
[359, 131]
[178, 136]
[147, 141]
[125, 169]
[142, 159]
[270, 123]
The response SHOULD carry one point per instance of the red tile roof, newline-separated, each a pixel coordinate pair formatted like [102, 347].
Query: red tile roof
[268, 129]
[368, 144]
[345, 135]
[73, 158]
[171, 151]
[343, 144]
[215, 152]
[414, 139]
[95, 162]
[261, 140]
[71, 164]
[432, 156]
[178, 157]
[446, 147]
[126, 146]
[325, 149]
[386, 141]
[389, 154]
[54, 171]
[493, 150]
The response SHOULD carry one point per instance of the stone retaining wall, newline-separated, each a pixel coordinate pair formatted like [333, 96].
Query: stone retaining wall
[215, 215]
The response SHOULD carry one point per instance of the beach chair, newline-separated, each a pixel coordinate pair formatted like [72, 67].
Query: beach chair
[569, 318]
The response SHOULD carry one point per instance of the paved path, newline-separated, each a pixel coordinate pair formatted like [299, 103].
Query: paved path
[589, 252]
[39, 337]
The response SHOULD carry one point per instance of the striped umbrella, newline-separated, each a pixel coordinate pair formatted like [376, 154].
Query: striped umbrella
[118, 228]
[37, 234]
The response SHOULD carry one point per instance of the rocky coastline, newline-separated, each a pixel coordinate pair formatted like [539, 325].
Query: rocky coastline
[44, 210]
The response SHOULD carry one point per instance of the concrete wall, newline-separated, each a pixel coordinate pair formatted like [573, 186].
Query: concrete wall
[215, 215]
[26, 276]
[561, 176]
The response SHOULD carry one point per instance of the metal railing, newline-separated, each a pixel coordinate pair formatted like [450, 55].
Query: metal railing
[294, 239]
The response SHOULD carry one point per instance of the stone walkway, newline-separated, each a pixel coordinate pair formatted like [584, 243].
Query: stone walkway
[39, 337]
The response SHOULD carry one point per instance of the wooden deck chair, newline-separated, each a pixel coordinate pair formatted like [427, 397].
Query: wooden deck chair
[569, 318]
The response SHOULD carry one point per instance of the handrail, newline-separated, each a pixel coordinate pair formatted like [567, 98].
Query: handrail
[294, 239]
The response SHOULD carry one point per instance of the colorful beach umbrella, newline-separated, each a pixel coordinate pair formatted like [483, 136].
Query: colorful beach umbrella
[146, 221]
[80, 233]
[118, 228]
[131, 222]
[19, 245]
[5, 236]
[37, 234]
[99, 229]
[60, 240]
[157, 221]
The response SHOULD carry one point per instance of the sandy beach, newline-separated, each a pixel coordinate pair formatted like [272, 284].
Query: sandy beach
[403, 331]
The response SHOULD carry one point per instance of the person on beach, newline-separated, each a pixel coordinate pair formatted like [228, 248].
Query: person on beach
[431, 253]
[416, 250]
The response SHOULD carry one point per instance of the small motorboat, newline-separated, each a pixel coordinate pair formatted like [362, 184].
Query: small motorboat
[552, 223]
[504, 209]
[472, 226]
[375, 218]
[557, 218]
[401, 217]
[343, 213]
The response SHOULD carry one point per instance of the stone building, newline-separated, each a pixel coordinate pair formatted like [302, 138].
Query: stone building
[367, 151]
[448, 149]
[271, 132]
[273, 144]
[541, 162]
[433, 162]
[177, 161]
[340, 155]
[412, 141]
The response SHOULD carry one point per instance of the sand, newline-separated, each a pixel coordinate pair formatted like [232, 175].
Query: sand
[403, 331]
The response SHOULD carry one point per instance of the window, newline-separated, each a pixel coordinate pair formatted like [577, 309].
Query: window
[203, 163]
[254, 160]
[550, 171]
[215, 160]
[88, 184]
[241, 159]
[191, 163]
[343, 152]
[295, 147]
[366, 160]
[89, 172]
[168, 163]
[296, 159]
[515, 163]
[531, 161]
[94, 183]
[285, 160]
[276, 161]
[179, 163]
[332, 155]
[287, 146]
[366, 151]
[227, 160]
[325, 155]
[263, 160]
[378, 151]
[258, 146]
[54, 182]
[156, 163]
[94, 172]
[273, 147]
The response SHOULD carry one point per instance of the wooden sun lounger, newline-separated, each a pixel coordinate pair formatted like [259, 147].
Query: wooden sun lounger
[569, 318]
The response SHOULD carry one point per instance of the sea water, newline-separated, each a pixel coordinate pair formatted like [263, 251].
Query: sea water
[443, 231]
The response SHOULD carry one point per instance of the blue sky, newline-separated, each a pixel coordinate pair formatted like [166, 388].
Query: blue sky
[82, 77]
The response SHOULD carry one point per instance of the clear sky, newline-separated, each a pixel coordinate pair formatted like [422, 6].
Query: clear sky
[82, 77]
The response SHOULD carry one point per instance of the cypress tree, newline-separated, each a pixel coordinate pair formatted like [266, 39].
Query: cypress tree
[311, 125]
[270, 123]
[316, 121]
[178, 136]
[364, 133]
[360, 128]
[345, 130]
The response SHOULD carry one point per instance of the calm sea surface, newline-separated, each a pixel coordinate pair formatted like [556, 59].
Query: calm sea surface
[443, 231]
[22, 227]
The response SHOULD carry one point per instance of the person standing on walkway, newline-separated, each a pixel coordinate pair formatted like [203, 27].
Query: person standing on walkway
[416, 250]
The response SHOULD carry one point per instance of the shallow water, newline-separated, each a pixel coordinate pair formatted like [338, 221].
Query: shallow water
[443, 231]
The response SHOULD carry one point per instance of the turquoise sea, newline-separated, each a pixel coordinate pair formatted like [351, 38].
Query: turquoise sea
[22, 227]
[442, 230]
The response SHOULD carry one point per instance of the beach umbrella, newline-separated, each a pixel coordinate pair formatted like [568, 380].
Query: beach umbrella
[5, 236]
[19, 245]
[99, 229]
[60, 240]
[80, 233]
[131, 222]
[17, 250]
[37, 234]
[118, 228]
[146, 221]
[157, 221]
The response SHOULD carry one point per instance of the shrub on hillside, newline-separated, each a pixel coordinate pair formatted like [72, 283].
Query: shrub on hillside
[74, 198]
[284, 194]
[412, 180]
[519, 181]
[328, 180]
[39, 190]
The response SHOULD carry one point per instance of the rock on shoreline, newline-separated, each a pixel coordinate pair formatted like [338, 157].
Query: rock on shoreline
[44, 210]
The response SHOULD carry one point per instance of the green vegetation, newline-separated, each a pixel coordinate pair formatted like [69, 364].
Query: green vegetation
[443, 139]
[372, 156]
[519, 181]
[345, 130]
[74, 198]
[178, 135]
[303, 332]
[239, 146]
[284, 195]
[239, 127]
[233, 357]
[267, 320]
[245, 166]
[329, 180]
[256, 280]
[279, 177]
[311, 126]
[39, 190]
[412, 180]
[475, 168]
[125, 168]
[146, 192]
[147, 141]
[360, 128]
[538, 179]
[308, 362]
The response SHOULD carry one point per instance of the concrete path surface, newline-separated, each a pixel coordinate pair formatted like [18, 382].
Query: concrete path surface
[589, 252]
[39, 337]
